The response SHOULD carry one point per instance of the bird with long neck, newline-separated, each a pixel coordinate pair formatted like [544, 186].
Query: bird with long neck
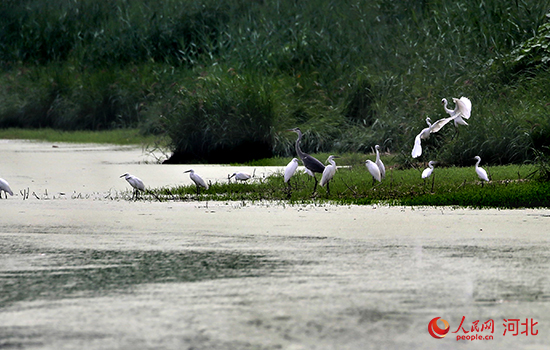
[311, 163]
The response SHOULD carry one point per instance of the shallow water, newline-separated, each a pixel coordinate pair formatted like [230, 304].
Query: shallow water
[108, 274]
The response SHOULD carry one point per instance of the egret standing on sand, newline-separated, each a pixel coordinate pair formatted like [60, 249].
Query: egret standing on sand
[378, 162]
[135, 182]
[5, 187]
[481, 173]
[290, 169]
[199, 182]
[425, 134]
[311, 163]
[373, 170]
[329, 172]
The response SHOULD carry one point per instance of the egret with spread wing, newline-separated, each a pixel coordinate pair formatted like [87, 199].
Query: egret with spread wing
[462, 110]
[425, 134]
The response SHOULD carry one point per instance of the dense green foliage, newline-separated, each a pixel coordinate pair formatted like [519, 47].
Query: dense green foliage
[223, 80]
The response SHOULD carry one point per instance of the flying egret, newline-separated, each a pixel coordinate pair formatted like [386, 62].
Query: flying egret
[290, 169]
[463, 109]
[329, 172]
[311, 163]
[481, 173]
[428, 172]
[199, 182]
[379, 162]
[241, 176]
[5, 187]
[135, 182]
[425, 134]
[373, 170]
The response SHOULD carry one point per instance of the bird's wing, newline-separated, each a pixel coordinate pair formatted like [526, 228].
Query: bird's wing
[459, 121]
[435, 127]
[464, 106]
[290, 170]
[482, 174]
[426, 173]
[328, 173]
[374, 171]
[417, 149]
[313, 164]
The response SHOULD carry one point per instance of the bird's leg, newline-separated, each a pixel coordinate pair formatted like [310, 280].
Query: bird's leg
[315, 186]
[328, 189]
[433, 181]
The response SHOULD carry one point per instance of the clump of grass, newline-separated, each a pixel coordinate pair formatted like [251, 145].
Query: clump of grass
[453, 186]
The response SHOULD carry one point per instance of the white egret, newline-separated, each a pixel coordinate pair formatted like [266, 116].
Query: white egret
[481, 173]
[290, 169]
[241, 176]
[463, 109]
[309, 172]
[425, 134]
[5, 187]
[373, 170]
[199, 182]
[311, 163]
[428, 171]
[378, 162]
[135, 182]
[329, 172]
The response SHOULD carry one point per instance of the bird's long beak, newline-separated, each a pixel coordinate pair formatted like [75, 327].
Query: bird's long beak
[187, 171]
[122, 175]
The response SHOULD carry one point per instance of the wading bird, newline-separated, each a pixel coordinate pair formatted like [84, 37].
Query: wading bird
[311, 163]
[373, 170]
[378, 162]
[135, 182]
[463, 109]
[425, 134]
[329, 172]
[241, 176]
[199, 182]
[481, 173]
[290, 169]
[5, 187]
[428, 172]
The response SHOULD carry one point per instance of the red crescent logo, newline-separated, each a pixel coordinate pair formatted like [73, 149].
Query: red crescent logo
[437, 332]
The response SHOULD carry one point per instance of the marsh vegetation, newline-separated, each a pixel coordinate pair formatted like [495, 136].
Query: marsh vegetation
[220, 81]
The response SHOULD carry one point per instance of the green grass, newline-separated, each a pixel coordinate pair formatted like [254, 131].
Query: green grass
[116, 136]
[511, 186]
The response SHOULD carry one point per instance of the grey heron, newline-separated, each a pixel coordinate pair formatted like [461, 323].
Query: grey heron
[311, 163]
